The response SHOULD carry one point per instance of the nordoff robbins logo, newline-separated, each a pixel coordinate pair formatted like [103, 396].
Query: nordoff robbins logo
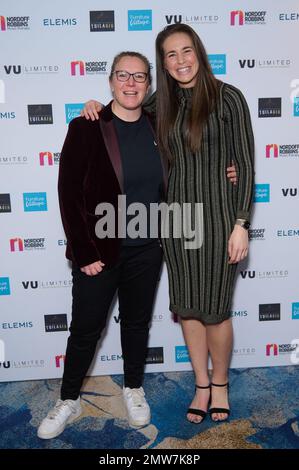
[178, 221]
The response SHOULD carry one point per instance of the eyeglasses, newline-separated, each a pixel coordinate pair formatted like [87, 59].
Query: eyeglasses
[123, 76]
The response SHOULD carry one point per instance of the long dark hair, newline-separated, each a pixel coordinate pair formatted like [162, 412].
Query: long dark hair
[205, 93]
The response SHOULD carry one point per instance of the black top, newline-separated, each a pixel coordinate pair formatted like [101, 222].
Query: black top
[142, 170]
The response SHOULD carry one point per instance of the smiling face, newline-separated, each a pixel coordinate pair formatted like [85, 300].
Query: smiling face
[180, 59]
[128, 96]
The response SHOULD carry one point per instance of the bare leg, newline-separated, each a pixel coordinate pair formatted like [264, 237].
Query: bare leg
[196, 339]
[220, 340]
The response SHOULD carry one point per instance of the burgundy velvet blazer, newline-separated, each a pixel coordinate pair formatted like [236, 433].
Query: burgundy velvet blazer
[90, 172]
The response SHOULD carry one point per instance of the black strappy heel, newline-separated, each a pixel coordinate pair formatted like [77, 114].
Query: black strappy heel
[197, 411]
[219, 410]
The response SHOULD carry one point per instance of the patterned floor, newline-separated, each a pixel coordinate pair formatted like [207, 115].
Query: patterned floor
[264, 402]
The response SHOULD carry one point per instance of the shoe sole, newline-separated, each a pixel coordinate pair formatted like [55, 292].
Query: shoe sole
[138, 424]
[61, 429]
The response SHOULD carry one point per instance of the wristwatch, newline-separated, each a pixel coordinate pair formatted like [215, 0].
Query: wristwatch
[243, 223]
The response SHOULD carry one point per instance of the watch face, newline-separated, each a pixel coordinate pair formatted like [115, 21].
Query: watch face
[246, 224]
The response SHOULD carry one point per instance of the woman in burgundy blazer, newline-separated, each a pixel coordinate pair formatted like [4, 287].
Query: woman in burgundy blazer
[90, 173]
[101, 161]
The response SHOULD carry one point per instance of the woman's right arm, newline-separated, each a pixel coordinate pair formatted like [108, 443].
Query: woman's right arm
[72, 170]
[91, 110]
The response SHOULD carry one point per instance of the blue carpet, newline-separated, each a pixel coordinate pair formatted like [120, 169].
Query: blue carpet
[264, 413]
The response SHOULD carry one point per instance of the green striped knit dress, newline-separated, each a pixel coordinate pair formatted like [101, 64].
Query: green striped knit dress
[201, 280]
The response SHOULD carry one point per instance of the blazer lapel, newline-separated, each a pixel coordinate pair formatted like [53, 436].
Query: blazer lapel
[111, 143]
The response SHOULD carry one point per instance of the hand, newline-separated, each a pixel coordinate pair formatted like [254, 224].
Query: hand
[93, 268]
[231, 173]
[238, 245]
[91, 110]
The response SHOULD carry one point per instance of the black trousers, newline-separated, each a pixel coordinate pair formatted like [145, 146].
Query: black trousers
[135, 277]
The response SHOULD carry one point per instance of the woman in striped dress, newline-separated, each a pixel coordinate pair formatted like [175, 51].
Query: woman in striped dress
[203, 124]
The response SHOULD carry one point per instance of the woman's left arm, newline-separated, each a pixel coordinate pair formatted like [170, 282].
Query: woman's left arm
[242, 147]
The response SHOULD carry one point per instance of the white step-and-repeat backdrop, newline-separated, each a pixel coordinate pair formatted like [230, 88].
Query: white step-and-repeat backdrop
[56, 55]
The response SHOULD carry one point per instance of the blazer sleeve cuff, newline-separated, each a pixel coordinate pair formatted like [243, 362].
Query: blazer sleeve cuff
[85, 255]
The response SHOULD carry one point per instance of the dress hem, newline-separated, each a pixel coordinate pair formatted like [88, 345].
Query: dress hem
[199, 315]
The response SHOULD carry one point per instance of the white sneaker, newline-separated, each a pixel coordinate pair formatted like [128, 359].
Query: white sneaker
[138, 409]
[63, 413]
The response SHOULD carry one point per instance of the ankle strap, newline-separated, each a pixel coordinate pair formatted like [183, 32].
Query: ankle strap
[220, 385]
[200, 386]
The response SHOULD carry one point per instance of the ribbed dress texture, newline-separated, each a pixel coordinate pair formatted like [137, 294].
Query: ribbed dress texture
[201, 280]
